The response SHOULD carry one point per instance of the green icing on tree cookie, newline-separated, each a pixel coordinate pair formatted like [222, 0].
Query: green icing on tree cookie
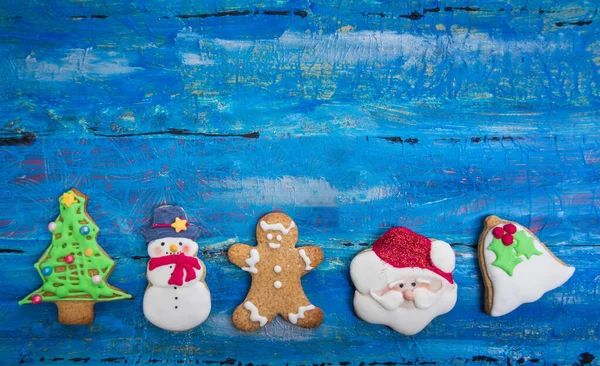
[509, 256]
[78, 280]
[506, 257]
[524, 245]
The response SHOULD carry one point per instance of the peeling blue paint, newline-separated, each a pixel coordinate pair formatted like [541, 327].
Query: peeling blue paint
[350, 117]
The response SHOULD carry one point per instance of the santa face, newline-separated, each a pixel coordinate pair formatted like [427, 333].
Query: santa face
[409, 292]
[172, 246]
[405, 299]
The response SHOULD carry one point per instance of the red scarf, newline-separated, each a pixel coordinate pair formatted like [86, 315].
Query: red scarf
[182, 262]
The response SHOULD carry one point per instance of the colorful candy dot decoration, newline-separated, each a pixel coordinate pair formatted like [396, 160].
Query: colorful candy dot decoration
[52, 226]
[84, 230]
[96, 279]
[46, 271]
[36, 299]
[69, 259]
[88, 252]
[505, 233]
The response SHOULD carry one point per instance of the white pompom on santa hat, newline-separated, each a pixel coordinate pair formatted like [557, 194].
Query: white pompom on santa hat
[402, 248]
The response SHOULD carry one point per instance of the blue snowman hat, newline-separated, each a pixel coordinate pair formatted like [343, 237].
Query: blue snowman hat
[170, 221]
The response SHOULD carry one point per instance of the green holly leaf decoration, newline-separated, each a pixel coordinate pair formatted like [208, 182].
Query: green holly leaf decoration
[506, 257]
[524, 245]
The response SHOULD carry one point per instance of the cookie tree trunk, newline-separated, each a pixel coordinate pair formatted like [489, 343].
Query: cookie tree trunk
[74, 269]
[75, 312]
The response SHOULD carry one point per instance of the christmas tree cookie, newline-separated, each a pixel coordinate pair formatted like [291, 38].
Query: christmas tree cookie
[74, 268]
[517, 267]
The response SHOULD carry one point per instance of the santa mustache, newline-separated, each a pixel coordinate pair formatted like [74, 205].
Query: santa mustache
[391, 300]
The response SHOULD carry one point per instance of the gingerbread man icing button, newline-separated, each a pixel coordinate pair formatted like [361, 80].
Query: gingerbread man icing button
[276, 266]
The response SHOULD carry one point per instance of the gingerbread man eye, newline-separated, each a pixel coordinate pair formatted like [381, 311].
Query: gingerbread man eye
[270, 236]
[279, 238]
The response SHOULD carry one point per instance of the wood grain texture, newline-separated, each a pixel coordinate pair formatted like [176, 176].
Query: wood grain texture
[351, 117]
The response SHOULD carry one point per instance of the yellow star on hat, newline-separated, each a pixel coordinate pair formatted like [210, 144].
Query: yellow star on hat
[179, 225]
[68, 199]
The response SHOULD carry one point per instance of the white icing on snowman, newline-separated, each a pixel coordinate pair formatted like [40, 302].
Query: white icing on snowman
[252, 261]
[170, 307]
[254, 315]
[293, 318]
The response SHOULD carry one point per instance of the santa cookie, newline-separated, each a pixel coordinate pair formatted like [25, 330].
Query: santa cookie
[276, 266]
[404, 282]
[177, 297]
[517, 267]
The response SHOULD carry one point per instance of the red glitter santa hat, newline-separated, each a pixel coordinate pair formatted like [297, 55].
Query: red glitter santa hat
[402, 248]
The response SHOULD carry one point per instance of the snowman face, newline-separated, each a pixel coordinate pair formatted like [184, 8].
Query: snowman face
[172, 246]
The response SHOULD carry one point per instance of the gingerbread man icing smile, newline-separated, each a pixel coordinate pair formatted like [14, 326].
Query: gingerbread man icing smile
[276, 266]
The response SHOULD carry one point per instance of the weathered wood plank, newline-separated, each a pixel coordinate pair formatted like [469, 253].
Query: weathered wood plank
[351, 116]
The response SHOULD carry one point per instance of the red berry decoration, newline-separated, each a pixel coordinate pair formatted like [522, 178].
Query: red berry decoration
[498, 232]
[508, 239]
[510, 228]
[36, 299]
[69, 259]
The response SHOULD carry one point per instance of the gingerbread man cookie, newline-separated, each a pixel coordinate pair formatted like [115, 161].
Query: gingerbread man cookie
[276, 266]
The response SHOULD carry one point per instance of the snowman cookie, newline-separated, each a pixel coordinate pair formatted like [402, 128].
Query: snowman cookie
[404, 282]
[177, 297]
[276, 266]
[517, 267]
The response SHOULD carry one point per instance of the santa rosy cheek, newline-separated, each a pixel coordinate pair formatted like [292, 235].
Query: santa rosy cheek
[157, 250]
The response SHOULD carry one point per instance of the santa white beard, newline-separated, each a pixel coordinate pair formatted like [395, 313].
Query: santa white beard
[405, 320]
[375, 303]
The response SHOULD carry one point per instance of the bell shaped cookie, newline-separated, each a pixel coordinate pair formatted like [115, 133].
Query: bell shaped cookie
[517, 267]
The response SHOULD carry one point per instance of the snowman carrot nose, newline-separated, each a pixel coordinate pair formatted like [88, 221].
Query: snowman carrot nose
[173, 248]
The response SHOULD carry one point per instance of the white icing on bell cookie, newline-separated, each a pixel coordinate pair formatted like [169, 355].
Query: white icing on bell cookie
[517, 267]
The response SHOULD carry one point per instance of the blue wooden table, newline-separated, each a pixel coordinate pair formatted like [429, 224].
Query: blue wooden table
[350, 116]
